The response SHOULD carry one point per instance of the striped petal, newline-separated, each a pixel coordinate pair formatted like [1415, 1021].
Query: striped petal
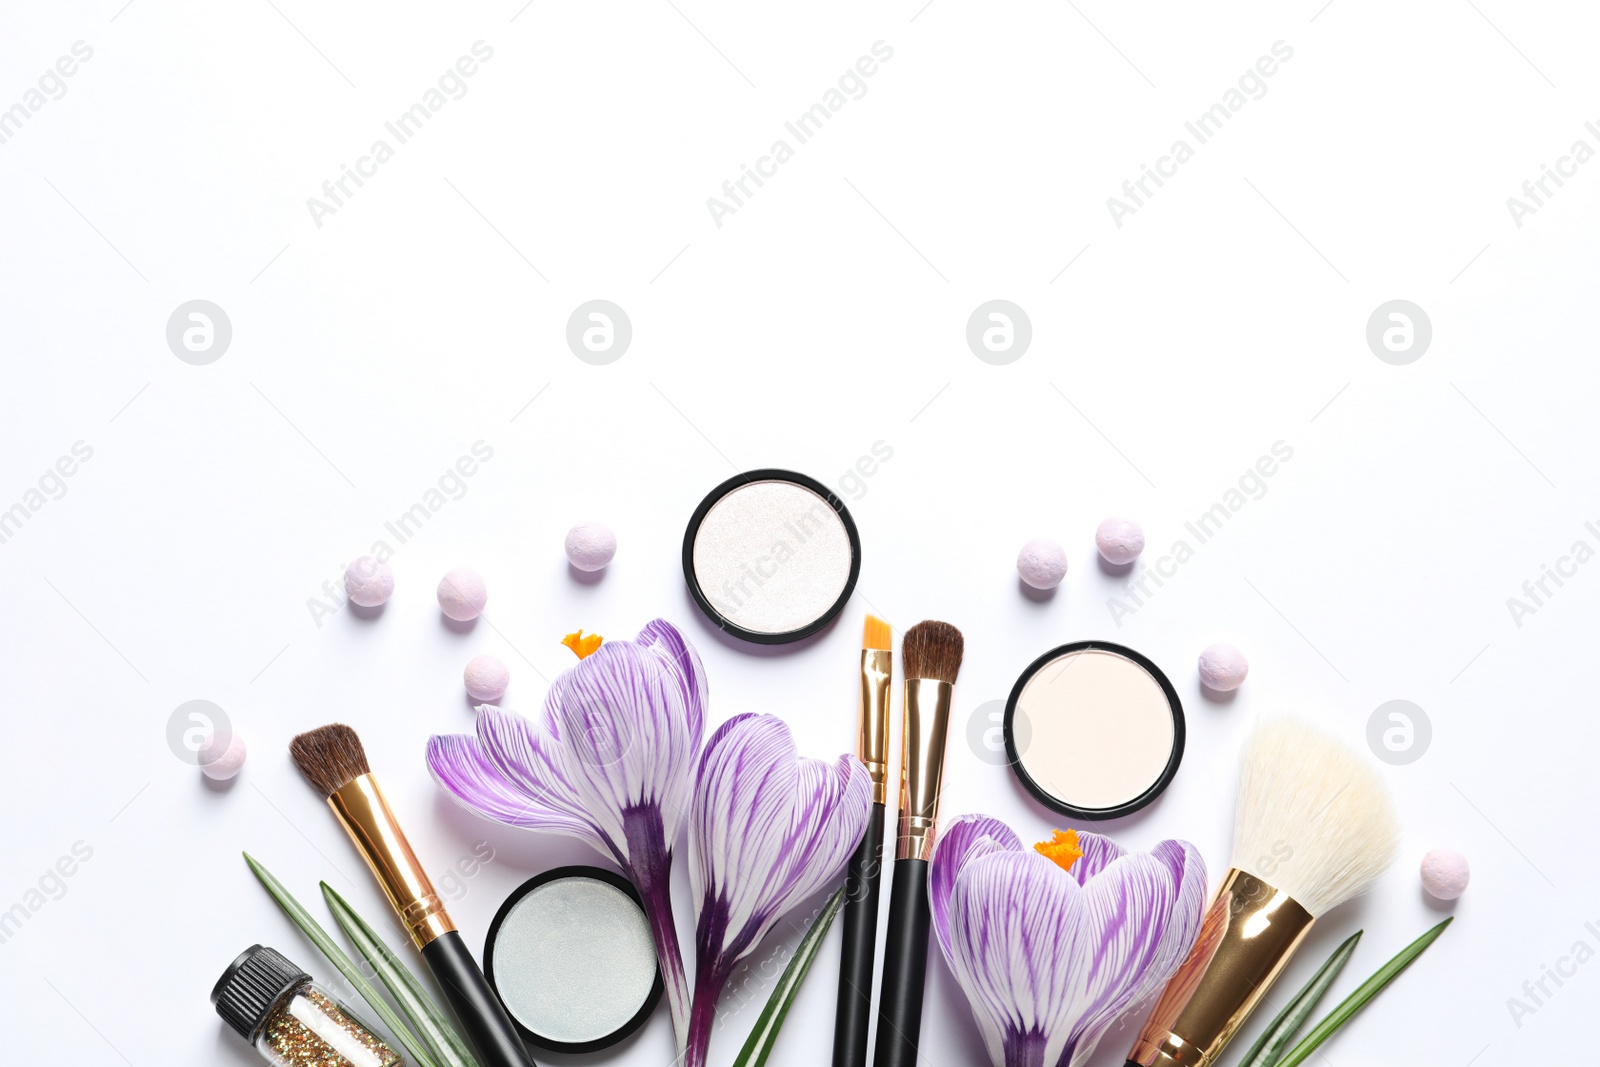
[680, 664]
[1141, 915]
[628, 721]
[965, 839]
[1048, 958]
[1098, 851]
[458, 764]
[767, 829]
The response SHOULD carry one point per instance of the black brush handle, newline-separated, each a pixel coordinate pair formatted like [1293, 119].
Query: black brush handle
[905, 965]
[475, 1004]
[852, 1022]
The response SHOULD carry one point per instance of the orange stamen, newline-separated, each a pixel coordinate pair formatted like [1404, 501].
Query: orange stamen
[582, 646]
[1062, 849]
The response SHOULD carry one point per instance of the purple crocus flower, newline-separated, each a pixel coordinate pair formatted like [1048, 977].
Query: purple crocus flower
[610, 765]
[767, 830]
[1052, 945]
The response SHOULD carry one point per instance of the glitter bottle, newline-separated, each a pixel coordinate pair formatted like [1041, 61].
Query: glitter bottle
[292, 1021]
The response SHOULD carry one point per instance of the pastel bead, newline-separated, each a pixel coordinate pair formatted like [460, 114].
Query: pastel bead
[367, 582]
[1445, 873]
[222, 756]
[1223, 668]
[1042, 563]
[486, 678]
[462, 594]
[590, 546]
[1119, 540]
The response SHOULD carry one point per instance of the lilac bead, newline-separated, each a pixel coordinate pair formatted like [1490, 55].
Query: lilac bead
[1042, 563]
[1445, 873]
[486, 678]
[590, 546]
[1119, 540]
[462, 594]
[222, 756]
[367, 582]
[1223, 668]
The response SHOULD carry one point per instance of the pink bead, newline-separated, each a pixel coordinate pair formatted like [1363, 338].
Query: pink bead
[1445, 873]
[1223, 668]
[590, 546]
[486, 678]
[1042, 563]
[462, 594]
[1119, 540]
[222, 756]
[367, 582]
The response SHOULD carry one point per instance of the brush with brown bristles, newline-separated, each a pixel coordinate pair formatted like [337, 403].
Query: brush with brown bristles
[1313, 827]
[931, 657]
[853, 1017]
[333, 761]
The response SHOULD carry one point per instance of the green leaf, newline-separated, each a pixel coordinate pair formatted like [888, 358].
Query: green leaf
[1358, 1000]
[764, 1034]
[319, 937]
[435, 1028]
[1265, 1052]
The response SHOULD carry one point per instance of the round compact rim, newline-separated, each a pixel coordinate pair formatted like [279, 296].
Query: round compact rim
[1055, 803]
[739, 481]
[549, 1044]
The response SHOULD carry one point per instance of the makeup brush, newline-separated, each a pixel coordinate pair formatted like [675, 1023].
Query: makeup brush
[1313, 827]
[852, 1019]
[931, 654]
[333, 761]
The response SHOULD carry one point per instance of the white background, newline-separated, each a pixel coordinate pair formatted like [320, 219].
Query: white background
[826, 315]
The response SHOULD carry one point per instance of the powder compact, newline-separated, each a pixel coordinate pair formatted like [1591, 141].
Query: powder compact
[1094, 730]
[771, 556]
[571, 957]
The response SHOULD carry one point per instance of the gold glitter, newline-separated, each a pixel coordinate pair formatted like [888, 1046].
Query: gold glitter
[311, 1029]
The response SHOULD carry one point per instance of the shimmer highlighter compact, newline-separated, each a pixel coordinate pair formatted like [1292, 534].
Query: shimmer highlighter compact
[571, 957]
[771, 556]
[1094, 730]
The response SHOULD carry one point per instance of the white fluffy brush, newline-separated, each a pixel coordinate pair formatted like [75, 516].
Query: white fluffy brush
[1313, 819]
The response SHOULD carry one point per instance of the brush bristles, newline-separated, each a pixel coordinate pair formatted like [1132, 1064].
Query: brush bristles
[932, 650]
[329, 757]
[1313, 819]
[875, 634]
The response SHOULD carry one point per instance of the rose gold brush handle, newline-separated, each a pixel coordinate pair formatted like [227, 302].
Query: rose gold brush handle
[1247, 937]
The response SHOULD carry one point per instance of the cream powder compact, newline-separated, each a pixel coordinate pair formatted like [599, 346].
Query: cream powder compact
[771, 556]
[571, 957]
[1094, 730]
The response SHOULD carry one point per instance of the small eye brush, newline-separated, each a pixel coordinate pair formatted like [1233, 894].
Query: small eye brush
[853, 1018]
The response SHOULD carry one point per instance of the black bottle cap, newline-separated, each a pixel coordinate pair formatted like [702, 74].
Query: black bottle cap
[252, 986]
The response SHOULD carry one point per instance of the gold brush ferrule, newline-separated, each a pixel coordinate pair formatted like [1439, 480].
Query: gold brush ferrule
[1254, 930]
[877, 668]
[371, 825]
[922, 745]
